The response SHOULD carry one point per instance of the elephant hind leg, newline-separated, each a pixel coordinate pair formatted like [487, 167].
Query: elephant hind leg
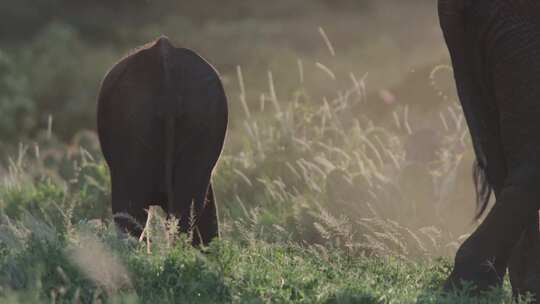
[197, 217]
[524, 266]
[484, 256]
[207, 225]
[193, 199]
[129, 204]
[130, 220]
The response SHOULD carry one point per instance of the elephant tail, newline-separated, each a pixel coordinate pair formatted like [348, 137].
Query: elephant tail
[169, 110]
[482, 187]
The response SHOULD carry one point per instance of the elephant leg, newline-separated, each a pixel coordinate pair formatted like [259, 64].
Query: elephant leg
[191, 180]
[483, 257]
[189, 201]
[508, 69]
[128, 206]
[129, 215]
[524, 265]
[207, 225]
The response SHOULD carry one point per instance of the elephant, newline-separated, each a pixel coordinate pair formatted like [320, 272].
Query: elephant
[494, 46]
[524, 264]
[162, 118]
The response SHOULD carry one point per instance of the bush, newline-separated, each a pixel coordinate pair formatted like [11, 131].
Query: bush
[16, 104]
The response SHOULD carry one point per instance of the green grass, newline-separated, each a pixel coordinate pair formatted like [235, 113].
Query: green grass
[93, 265]
[312, 211]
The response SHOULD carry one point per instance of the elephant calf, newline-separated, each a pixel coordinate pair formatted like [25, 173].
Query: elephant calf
[162, 117]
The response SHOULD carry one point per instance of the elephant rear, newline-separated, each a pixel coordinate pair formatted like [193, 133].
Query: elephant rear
[160, 108]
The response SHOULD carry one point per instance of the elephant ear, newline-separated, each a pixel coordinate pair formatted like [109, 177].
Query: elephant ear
[474, 95]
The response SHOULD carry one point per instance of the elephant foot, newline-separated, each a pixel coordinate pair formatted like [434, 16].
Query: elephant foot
[477, 279]
[476, 272]
[524, 265]
[529, 287]
[525, 283]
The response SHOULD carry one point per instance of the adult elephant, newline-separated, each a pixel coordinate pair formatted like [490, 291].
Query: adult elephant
[495, 51]
[162, 118]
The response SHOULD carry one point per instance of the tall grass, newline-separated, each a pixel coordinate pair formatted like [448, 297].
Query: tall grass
[318, 170]
[320, 202]
[49, 254]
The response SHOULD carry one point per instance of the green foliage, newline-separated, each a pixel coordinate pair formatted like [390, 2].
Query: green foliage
[16, 105]
[43, 200]
[43, 268]
[180, 273]
[54, 80]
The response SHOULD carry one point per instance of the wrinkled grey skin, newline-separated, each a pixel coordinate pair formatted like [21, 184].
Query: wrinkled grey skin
[162, 118]
[495, 51]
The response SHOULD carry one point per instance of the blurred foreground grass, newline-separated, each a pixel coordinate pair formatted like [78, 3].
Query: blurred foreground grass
[90, 265]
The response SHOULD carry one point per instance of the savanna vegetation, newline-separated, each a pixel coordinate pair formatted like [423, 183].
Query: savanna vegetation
[346, 176]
